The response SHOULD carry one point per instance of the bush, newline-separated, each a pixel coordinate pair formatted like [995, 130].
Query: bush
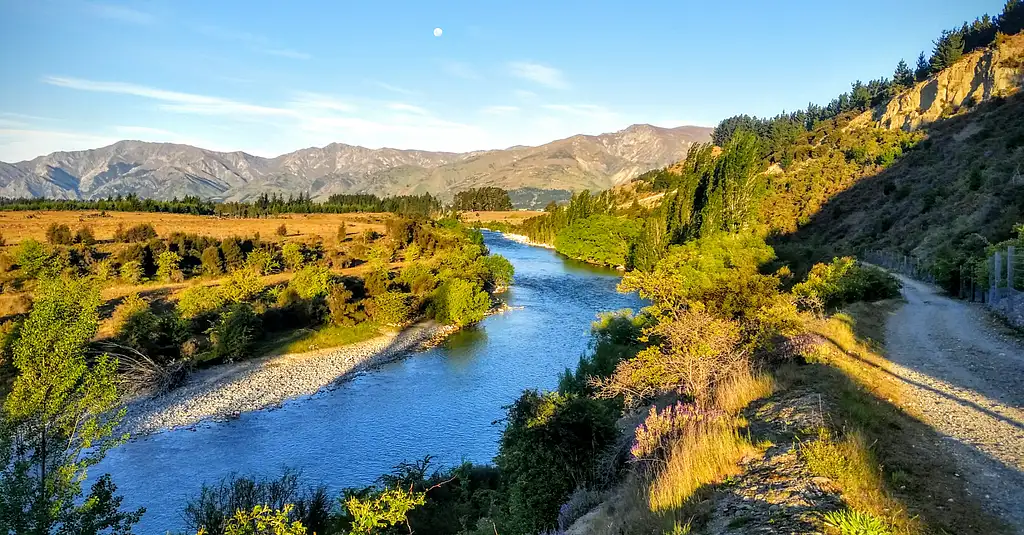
[342, 233]
[234, 334]
[157, 336]
[59, 234]
[390, 308]
[459, 302]
[263, 261]
[243, 285]
[131, 272]
[234, 256]
[32, 257]
[844, 281]
[344, 309]
[312, 282]
[138, 233]
[168, 267]
[85, 236]
[499, 270]
[216, 504]
[294, 256]
[377, 281]
[130, 306]
[549, 449]
[282, 230]
[212, 261]
[197, 301]
[418, 278]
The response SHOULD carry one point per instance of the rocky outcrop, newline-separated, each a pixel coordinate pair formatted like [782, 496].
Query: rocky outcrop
[978, 76]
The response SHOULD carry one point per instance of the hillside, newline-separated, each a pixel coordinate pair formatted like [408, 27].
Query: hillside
[165, 170]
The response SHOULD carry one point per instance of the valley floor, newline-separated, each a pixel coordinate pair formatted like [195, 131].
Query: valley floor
[965, 377]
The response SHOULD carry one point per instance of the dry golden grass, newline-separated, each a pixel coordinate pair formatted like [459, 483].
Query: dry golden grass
[705, 455]
[511, 217]
[735, 393]
[17, 226]
[887, 461]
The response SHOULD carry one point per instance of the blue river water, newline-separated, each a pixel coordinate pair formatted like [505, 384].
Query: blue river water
[441, 402]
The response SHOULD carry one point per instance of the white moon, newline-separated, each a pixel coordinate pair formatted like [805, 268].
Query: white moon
[437, 32]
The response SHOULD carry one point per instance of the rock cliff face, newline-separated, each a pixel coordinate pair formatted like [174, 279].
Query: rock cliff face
[977, 77]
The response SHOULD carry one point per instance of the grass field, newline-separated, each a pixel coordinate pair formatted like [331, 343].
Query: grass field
[17, 226]
[513, 217]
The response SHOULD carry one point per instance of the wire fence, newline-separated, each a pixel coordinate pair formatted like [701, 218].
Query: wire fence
[900, 263]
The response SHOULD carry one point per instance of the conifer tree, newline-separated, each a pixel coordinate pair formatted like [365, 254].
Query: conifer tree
[923, 69]
[948, 49]
[903, 77]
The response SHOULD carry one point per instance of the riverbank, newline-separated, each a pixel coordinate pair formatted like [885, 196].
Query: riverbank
[224, 392]
[519, 238]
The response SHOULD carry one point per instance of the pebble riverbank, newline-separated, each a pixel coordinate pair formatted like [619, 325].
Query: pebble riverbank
[224, 392]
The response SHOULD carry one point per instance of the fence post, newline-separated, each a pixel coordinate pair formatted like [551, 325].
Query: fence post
[997, 264]
[1009, 266]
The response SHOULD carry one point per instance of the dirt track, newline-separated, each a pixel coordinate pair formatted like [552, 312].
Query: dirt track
[966, 379]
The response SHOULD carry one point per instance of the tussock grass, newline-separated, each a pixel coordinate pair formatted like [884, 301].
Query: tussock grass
[888, 462]
[707, 454]
[331, 336]
[735, 393]
[851, 522]
[850, 464]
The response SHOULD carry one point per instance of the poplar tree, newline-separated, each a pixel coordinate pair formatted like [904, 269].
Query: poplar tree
[58, 421]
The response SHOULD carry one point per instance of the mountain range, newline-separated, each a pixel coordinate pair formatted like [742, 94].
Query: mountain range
[167, 170]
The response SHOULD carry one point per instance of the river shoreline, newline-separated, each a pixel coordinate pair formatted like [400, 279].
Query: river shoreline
[525, 240]
[225, 392]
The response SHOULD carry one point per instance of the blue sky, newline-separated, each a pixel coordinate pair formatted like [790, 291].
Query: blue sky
[269, 77]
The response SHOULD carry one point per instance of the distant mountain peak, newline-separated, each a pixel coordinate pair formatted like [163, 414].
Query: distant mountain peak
[166, 170]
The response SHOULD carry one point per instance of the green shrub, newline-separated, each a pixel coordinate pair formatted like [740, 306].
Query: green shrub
[499, 270]
[234, 256]
[377, 281]
[199, 300]
[212, 261]
[85, 236]
[138, 233]
[294, 256]
[598, 239]
[158, 336]
[550, 446]
[390, 308]
[459, 302]
[418, 278]
[168, 267]
[242, 285]
[233, 335]
[263, 261]
[32, 257]
[844, 281]
[312, 281]
[852, 522]
[131, 272]
[59, 234]
[344, 309]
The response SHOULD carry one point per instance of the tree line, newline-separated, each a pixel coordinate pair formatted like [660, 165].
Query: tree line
[781, 131]
[262, 206]
[482, 199]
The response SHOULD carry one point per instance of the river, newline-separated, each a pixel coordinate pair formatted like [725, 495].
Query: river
[441, 402]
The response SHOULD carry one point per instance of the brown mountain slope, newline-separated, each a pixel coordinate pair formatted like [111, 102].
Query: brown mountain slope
[164, 170]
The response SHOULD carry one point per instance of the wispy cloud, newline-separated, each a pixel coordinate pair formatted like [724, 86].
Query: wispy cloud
[499, 110]
[24, 144]
[121, 14]
[408, 108]
[459, 69]
[393, 88]
[287, 53]
[524, 94]
[143, 130]
[541, 74]
[305, 99]
[175, 101]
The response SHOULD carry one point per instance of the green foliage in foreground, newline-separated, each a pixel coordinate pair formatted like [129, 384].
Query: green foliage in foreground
[460, 302]
[57, 420]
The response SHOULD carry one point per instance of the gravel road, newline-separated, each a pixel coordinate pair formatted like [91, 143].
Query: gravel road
[966, 375]
[225, 391]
